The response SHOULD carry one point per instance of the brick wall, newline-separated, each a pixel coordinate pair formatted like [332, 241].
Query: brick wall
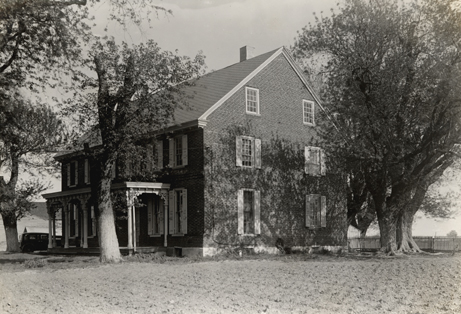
[281, 181]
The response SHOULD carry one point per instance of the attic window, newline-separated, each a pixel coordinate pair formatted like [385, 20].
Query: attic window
[252, 100]
[308, 112]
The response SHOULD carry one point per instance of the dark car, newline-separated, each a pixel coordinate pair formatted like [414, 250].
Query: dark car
[35, 241]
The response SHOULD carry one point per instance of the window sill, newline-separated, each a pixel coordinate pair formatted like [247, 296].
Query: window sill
[157, 235]
[177, 235]
[309, 124]
[254, 114]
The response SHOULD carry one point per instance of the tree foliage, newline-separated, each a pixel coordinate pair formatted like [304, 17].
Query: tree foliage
[28, 134]
[392, 81]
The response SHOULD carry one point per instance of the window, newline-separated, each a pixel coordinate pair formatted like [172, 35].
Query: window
[252, 100]
[160, 154]
[73, 220]
[248, 203]
[72, 173]
[314, 161]
[155, 216]
[87, 172]
[316, 211]
[92, 222]
[178, 151]
[248, 152]
[308, 112]
[178, 212]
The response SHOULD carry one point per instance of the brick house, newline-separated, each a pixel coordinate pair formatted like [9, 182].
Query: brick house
[240, 169]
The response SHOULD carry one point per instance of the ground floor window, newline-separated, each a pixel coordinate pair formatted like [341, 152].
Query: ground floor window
[155, 216]
[248, 201]
[315, 211]
[178, 211]
[91, 222]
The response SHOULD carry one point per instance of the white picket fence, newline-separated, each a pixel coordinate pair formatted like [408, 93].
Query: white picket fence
[432, 244]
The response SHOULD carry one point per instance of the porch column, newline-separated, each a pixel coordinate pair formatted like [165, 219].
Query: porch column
[133, 209]
[85, 227]
[50, 229]
[164, 197]
[54, 228]
[67, 224]
[130, 223]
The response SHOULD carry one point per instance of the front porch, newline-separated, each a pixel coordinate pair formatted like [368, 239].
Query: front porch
[79, 222]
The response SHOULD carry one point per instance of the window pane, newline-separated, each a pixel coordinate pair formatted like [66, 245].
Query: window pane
[247, 153]
[248, 212]
[252, 100]
[308, 110]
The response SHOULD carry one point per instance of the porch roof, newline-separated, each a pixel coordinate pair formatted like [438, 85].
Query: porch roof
[145, 187]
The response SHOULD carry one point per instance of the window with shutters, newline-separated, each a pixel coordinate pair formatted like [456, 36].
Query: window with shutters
[178, 212]
[314, 161]
[72, 173]
[248, 201]
[308, 112]
[315, 211]
[248, 152]
[252, 100]
[178, 151]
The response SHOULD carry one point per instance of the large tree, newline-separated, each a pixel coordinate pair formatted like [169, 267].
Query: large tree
[137, 90]
[392, 82]
[27, 134]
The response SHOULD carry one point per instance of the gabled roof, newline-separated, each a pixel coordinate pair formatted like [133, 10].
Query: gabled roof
[213, 89]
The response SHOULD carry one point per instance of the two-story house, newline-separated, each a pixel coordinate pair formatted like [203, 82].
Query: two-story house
[242, 167]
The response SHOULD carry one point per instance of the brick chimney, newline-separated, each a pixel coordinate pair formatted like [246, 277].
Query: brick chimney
[246, 53]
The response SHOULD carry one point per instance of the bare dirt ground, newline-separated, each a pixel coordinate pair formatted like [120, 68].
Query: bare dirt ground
[252, 284]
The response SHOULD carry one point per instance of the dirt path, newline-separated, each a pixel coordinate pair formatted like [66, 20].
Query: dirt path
[335, 285]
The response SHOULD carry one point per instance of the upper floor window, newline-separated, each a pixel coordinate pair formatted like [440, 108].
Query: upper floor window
[248, 201]
[248, 152]
[308, 112]
[178, 151]
[252, 100]
[316, 211]
[72, 173]
[314, 161]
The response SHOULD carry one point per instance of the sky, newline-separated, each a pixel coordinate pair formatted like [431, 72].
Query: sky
[219, 28]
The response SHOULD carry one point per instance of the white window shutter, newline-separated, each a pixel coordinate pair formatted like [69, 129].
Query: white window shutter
[86, 174]
[257, 204]
[161, 221]
[240, 211]
[184, 150]
[323, 211]
[323, 169]
[238, 151]
[171, 207]
[150, 225]
[171, 155]
[76, 173]
[160, 154]
[68, 174]
[307, 157]
[184, 212]
[308, 211]
[257, 151]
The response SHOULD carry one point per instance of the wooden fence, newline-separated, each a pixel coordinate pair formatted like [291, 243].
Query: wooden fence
[431, 244]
